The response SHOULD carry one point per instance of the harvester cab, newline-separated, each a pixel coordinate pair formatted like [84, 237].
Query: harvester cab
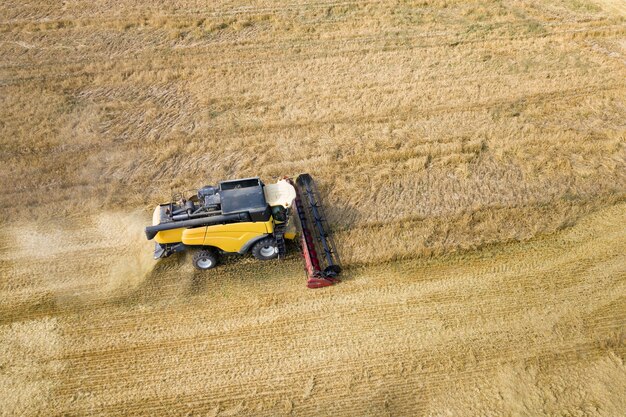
[246, 216]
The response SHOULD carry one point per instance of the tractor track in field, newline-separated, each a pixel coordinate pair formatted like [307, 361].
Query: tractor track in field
[404, 328]
[212, 12]
[200, 50]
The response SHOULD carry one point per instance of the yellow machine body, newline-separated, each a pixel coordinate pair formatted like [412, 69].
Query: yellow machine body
[230, 231]
[227, 237]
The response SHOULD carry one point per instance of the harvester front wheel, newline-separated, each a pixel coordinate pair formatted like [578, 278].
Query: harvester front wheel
[204, 259]
[265, 249]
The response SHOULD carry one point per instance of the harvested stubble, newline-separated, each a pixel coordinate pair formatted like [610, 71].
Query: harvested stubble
[534, 328]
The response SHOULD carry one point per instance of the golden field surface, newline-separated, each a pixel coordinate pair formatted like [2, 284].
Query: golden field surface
[471, 155]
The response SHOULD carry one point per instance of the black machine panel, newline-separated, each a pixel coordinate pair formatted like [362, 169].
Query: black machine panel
[245, 195]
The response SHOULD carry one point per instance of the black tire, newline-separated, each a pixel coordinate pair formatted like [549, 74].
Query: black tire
[204, 259]
[265, 249]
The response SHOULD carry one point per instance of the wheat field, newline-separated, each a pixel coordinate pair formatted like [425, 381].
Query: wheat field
[471, 155]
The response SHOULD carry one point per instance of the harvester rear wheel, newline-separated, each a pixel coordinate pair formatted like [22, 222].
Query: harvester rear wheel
[205, 259]
[265, 249]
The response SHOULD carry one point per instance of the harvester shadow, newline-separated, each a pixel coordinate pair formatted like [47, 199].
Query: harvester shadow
[198, 284]
[161, 282]
[242, 274]
[175, 278]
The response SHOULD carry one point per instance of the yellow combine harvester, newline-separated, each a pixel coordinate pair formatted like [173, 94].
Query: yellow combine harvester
[246, 216]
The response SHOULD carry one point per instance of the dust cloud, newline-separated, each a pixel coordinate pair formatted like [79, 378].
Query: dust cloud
[96, 257]
[133, 260]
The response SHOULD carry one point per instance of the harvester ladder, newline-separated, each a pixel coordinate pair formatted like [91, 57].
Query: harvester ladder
[279, 235]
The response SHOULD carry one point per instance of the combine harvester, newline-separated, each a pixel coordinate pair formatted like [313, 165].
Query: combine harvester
[245, 215]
